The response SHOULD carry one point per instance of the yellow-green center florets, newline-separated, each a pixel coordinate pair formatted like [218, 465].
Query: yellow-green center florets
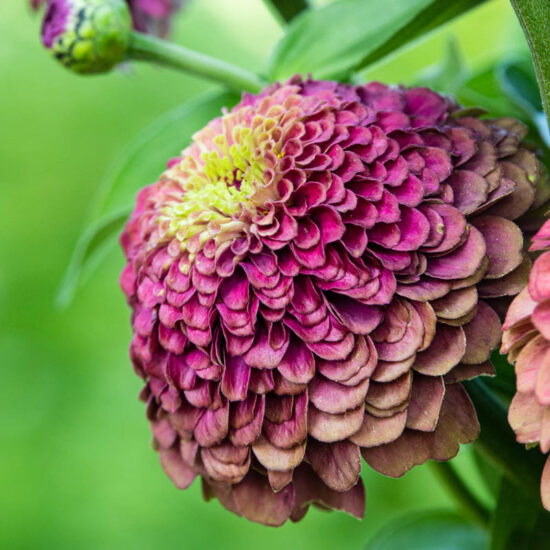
[221, 179]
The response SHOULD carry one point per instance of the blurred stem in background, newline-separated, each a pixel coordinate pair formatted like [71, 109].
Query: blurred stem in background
[446, 473]
[148, 48]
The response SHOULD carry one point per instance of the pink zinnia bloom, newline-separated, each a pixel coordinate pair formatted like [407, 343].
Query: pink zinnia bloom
[526, 339]
[312, 279]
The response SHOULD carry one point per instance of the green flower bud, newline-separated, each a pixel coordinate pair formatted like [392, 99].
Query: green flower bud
[87, 36]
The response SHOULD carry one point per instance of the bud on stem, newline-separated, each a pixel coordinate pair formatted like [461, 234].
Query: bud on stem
[87, 36]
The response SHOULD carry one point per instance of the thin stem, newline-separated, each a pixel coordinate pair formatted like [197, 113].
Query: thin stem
[534, 17]
[148, 48]
[286, 10]
[498, 443]
[467, 501]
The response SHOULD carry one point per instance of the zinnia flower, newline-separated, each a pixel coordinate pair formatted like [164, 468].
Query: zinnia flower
[312, 279]
[526, 339]
[150, 16]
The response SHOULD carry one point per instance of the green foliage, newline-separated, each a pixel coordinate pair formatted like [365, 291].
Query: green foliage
[140, 162]
[450, 74]
[430, 530]
[286, 10]
[349, 35]
[520, 522]
[518, 82]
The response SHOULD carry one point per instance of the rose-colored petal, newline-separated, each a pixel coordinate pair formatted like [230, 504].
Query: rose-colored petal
[274, 458]
[337, 464]
[525, 417]
[541, 319]
[394, 459]
[468, 372]
[425, 402]
[457, 423]
[279, 480]
[376, 431]
[482, 335]
[176, 469]
[542, 387]
[257, 502]
[456, 304]
[298, 364]
[461, 263]
[334, 427]
[332, 397]
[504, 244]
[446, 351]
[387, 395]
[545, 485]
[310, 489]
[235, 379]
[509, 285]
[357, 317]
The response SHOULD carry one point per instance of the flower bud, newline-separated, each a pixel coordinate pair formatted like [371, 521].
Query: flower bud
[87, 36]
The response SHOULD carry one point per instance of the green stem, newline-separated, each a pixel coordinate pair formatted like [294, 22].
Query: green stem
[498, 443]
[286, 10]
[149, 48]
[534, 17]
[467, 501]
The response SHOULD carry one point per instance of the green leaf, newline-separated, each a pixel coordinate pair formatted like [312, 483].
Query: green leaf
[450, 74]
[286, 10]
[346, 36]
[520, 523]
[139, 164]
[430, 530]
[489, 474]
[518, 81]
[497, 441]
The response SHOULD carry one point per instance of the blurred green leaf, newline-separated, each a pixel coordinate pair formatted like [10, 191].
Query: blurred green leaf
[490, 475]
[450, 74]
[139, 164]
[286, 10]
[346, 36]
[430, 530]
[520, 523]
[518, 81]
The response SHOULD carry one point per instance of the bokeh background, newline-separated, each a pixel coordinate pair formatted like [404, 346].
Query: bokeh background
[76, 467]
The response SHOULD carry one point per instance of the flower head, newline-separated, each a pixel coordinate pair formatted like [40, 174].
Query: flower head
[87, 36]
[150, 16]
[312, 279]
[526, 339]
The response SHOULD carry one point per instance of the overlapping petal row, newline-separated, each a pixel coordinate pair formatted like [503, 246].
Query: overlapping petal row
[150, 16]
[312, 279]
[526, 339]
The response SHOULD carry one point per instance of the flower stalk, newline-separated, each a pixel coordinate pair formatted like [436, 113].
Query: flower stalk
[534, 16]
[148, 48]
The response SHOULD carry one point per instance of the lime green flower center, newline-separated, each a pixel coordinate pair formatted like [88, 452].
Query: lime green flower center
[222, 179]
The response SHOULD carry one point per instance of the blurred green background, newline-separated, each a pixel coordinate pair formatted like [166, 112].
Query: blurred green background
[76, 468]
